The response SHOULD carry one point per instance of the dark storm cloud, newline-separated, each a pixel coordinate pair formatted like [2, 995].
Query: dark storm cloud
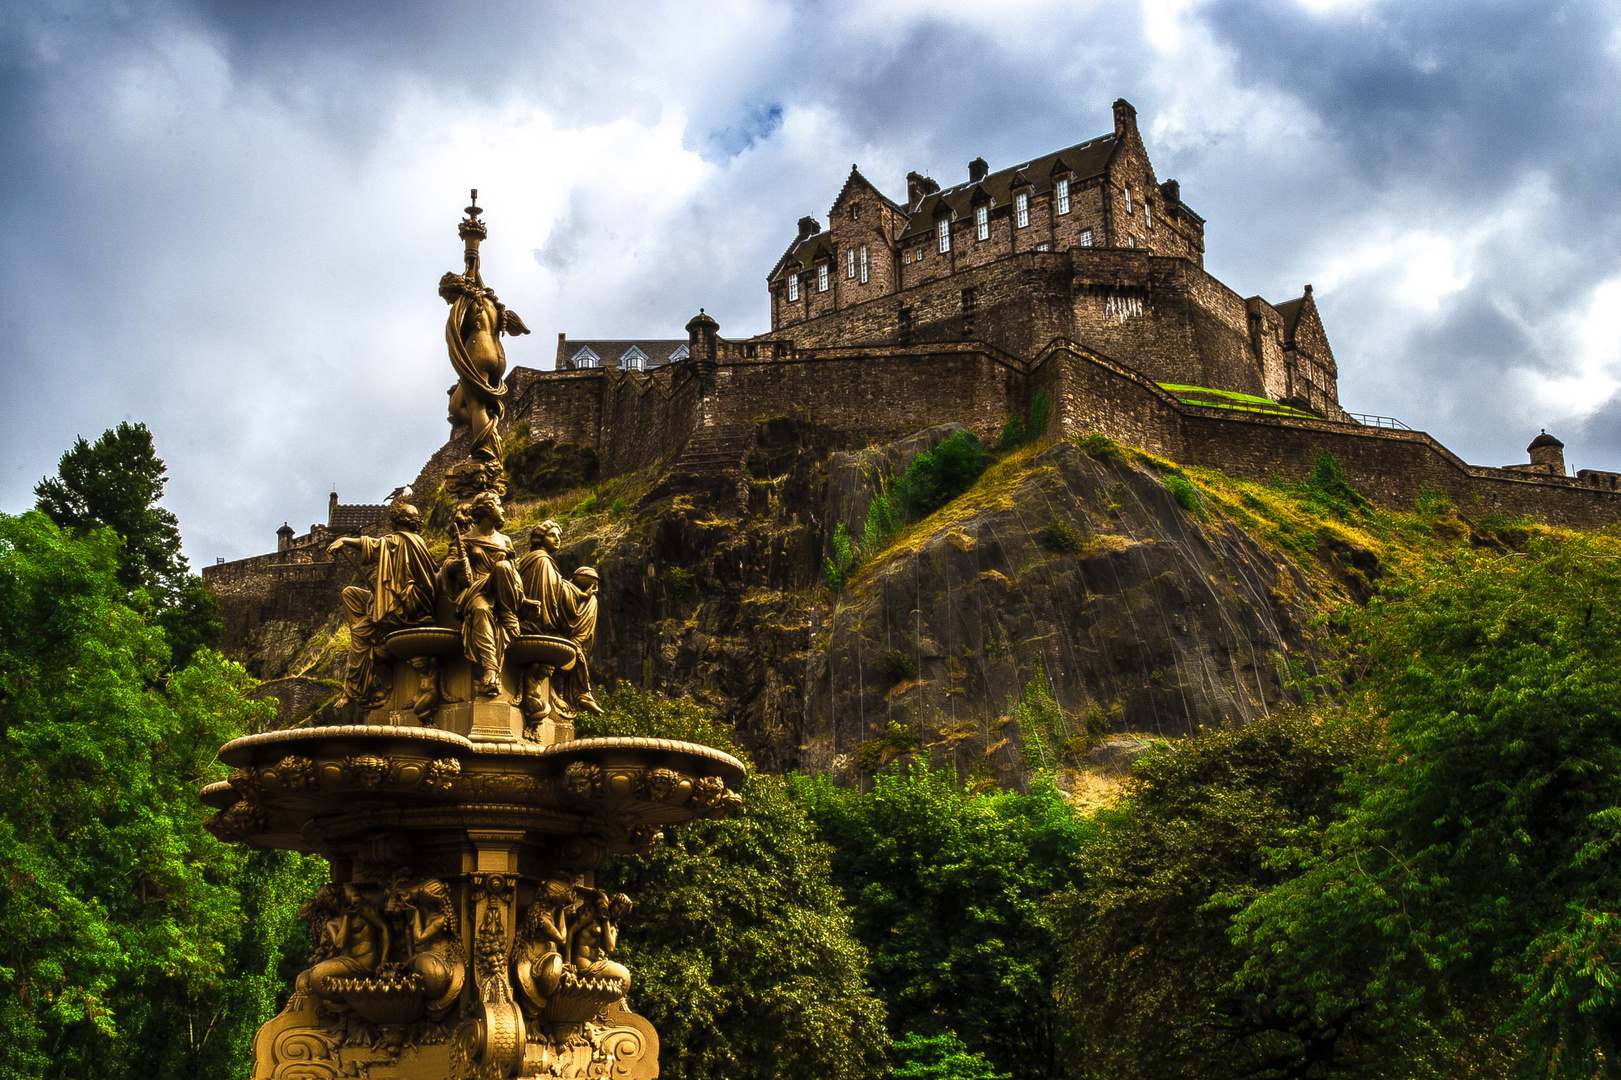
[229, 217]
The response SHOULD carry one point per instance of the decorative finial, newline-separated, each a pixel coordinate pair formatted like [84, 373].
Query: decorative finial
[472, 231]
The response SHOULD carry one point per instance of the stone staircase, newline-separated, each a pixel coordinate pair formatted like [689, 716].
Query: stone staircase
[711, 460]
[711, 451]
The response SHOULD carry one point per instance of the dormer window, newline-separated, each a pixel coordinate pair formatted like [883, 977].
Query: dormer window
[681, 353]
[850, 263]
[863, 264]
[943, 230]
[793, 286]
[585, 358]
[1063, 196]
[1021, 206]
[982, 222]
[821, 277]
[633, 360]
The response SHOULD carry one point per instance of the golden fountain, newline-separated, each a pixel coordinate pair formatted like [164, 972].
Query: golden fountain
[462, 933]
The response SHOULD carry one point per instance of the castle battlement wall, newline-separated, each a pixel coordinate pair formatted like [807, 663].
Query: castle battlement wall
[881, 392]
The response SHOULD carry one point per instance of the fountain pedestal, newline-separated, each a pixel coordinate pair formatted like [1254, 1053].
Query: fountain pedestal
[461, 934]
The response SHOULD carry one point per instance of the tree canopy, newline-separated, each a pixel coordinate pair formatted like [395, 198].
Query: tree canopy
[123, 922]
[947, 887]
[741, 947]
[115, 483]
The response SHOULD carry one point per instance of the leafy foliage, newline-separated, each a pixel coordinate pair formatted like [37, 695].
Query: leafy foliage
[1475, 885]
[742, 947]
[937, 476]
[940, 1057]
[1146, 961]
[1186, 495]
[843, 558]
[947, 889]
[115, 484]
[126, 939]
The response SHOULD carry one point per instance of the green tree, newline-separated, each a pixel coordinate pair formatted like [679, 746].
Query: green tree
[116, 483]
[741, 947]
[1469, 902]
[122, 921]
[940, 1057]
[947, 887]
[1146, 959]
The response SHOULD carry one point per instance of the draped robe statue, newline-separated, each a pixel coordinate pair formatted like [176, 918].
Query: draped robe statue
[490, 602]
[568, 608]
[473, 334]
[404, 596]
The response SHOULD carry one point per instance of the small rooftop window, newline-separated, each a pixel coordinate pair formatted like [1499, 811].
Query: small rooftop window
[682, 352]
[585, 358]
[634, 359]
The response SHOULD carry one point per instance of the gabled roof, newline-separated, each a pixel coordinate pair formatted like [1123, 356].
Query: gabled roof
[1290, 310]
[1084, 160]
[850, 181]
[657, 351]
[802, 255]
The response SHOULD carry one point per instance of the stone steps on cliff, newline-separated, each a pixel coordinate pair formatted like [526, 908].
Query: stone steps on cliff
[716, 449]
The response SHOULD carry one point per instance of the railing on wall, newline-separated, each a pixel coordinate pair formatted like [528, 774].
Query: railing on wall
[1367, 420]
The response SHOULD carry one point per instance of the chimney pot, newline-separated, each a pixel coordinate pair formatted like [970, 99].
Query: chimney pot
[1125, 118]
[978, 169]
[808, 226]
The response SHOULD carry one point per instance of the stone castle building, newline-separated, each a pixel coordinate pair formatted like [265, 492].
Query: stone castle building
[1077, 275]
[1084, 244]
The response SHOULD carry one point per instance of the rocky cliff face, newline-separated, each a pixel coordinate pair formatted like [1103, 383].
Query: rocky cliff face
[1065, 601]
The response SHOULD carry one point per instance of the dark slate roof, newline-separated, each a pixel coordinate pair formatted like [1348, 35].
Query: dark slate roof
[610, 353]
[803, 254]
[1290, 310]
[355, 517]
[1083, 160]
[1545, 440]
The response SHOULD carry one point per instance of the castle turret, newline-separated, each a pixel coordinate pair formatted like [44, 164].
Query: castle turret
[701, 334]
[284, 537]
[1548, 452]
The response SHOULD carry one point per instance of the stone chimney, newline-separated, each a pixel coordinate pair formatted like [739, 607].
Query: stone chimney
[284, 537]
[1549, 452]
[978, 169]
[702, 331]
[1171, 192]
[918, 187]
[808, 226]
[1125, 118]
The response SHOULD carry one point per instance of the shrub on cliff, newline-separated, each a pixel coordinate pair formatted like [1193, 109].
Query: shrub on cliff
[937, 476]
[742, 948]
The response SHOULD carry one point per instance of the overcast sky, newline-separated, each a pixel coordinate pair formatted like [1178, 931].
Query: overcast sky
[228, 220]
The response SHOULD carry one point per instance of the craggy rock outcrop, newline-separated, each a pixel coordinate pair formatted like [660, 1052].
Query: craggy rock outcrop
[1070, 593]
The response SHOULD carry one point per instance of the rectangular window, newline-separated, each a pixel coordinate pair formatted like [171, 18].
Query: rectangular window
[850, 263]
[945, 235]
[1063, 196]
[1128, 202]
[1021, 203]
[906, 257]
[1086, 237]
[793, 286]
[863, 264]
[1042, 246]
[1131, 241]
[982, 222]
[1148, 214]
[821, 277]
